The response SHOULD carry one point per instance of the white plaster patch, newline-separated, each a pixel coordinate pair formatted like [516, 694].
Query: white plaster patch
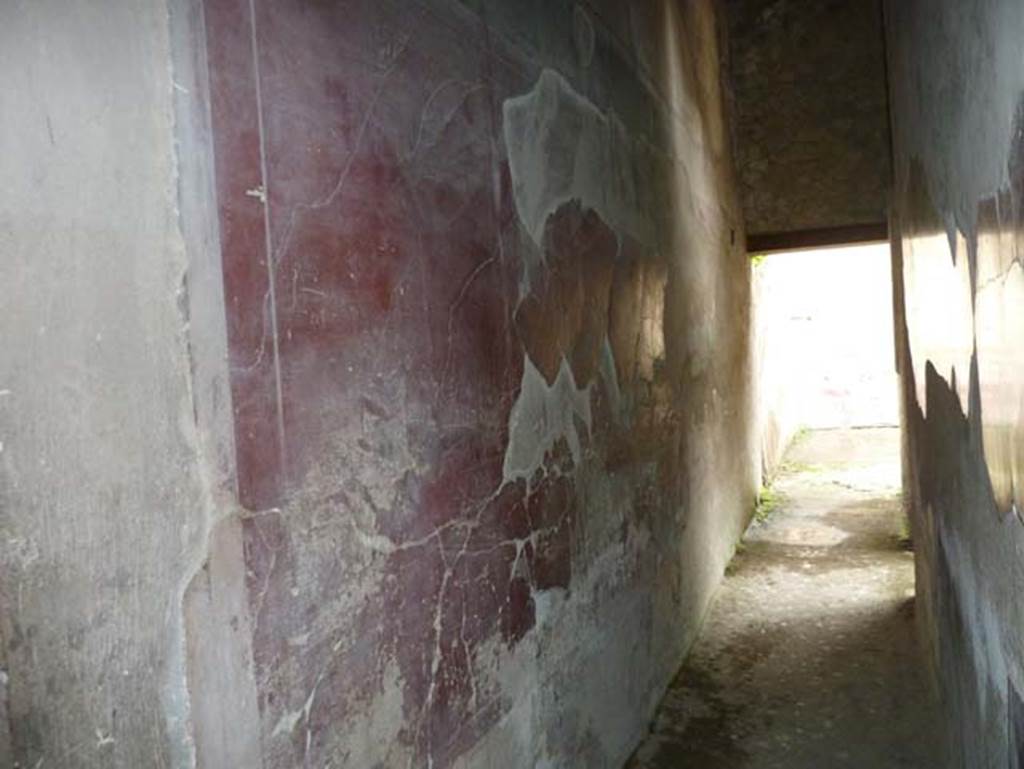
[998, 329]
[541, 416]
[562, 148]
[940, 319]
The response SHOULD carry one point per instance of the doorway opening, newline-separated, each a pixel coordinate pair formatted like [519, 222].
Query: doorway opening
[824, 343]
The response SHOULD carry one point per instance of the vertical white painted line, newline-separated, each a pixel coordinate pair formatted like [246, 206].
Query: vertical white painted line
[265, 181]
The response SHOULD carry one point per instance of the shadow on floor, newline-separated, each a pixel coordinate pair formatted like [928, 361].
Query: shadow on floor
[808, 659]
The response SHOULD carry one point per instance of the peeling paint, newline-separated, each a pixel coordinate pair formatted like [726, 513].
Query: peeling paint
[562, 148]
[541, 417]
[956, 95]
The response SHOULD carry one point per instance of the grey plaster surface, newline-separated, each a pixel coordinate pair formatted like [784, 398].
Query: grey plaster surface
[102, 499]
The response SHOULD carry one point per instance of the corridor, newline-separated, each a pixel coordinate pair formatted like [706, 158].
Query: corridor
[391, 384]
[809, 658]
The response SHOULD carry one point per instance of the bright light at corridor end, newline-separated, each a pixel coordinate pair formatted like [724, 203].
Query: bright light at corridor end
[824, 337]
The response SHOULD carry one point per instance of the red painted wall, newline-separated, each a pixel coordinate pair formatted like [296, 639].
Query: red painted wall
[486, 310]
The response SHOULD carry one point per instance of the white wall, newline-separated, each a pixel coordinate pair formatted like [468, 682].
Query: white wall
[824, 342]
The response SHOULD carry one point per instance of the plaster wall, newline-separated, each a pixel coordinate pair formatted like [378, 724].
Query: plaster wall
[488, 326]
[107, 486]
[957, 87]
[382, 371]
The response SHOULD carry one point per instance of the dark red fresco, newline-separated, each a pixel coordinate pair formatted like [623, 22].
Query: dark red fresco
[371, 266]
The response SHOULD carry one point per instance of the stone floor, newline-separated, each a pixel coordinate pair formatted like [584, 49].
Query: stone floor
[808, 659]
